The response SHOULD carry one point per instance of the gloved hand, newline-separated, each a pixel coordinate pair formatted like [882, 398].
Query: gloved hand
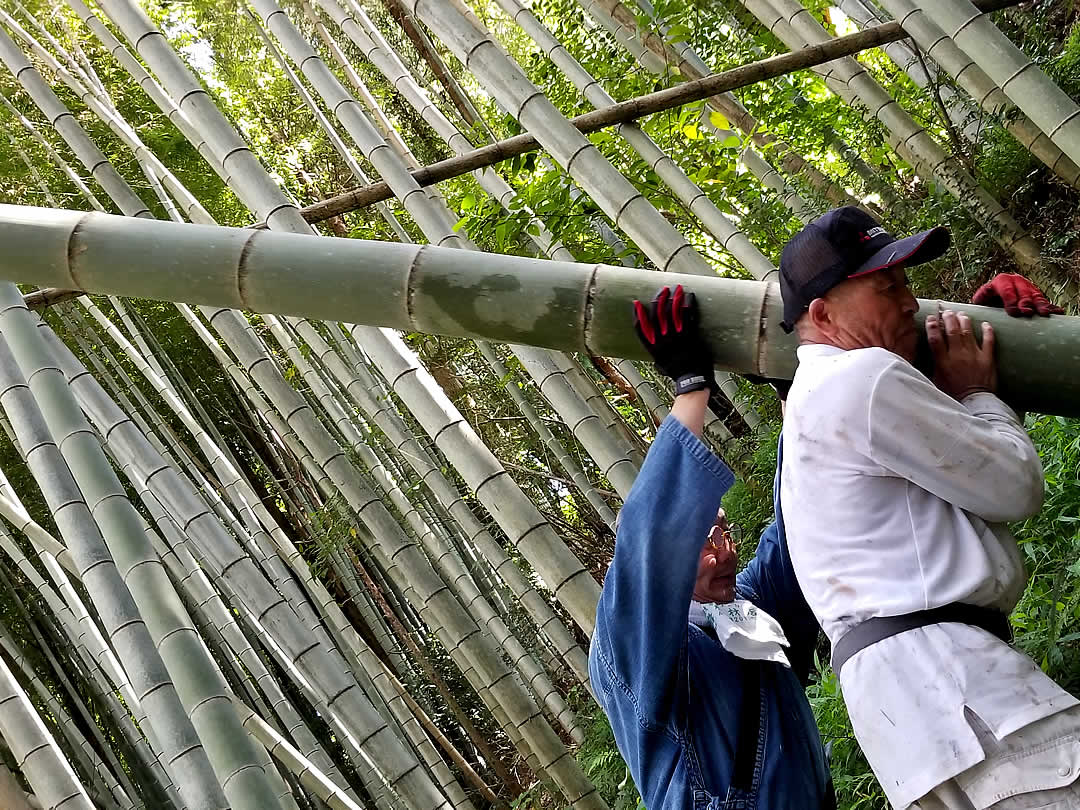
[668, 329]
[1017, 295]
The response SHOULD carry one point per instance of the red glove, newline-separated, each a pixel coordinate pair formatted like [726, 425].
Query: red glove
[1017, 294]
[668, 329]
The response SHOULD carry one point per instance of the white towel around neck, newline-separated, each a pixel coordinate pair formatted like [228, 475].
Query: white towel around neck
[743, 629]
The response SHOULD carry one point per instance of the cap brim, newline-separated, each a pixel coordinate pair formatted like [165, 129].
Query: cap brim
[912, 250]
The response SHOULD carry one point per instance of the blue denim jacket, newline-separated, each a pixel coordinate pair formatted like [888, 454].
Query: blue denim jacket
[671, 692]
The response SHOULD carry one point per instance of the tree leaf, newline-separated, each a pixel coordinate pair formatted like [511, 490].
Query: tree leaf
[679, 32]
[719, 121]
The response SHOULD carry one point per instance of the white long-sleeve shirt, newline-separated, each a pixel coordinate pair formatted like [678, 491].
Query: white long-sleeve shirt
[894, 496]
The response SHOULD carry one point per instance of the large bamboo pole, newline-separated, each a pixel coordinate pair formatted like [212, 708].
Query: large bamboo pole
[560, 305]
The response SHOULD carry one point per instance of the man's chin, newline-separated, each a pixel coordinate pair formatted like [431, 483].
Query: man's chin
[723, 596]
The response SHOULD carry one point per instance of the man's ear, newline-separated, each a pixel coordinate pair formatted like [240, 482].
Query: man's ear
[818, 315]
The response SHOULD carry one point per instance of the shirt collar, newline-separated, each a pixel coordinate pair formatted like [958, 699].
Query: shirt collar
[808, 351]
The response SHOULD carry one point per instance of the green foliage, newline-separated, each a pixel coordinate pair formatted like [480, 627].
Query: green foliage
[856, 788]
[603, 765]
[1048, 616]
[749, 503]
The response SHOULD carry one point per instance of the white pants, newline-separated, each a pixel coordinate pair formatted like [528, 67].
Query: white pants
[1034, 768]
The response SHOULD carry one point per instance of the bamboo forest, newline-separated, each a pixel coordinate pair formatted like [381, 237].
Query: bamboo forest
[323, 524]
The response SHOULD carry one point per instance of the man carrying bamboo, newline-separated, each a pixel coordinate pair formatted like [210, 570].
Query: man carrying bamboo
[896, 488]
[702, 672]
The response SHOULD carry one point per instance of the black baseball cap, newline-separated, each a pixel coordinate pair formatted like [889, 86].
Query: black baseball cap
[845, 243]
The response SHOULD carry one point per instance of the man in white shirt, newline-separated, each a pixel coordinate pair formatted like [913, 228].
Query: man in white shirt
[896, 490]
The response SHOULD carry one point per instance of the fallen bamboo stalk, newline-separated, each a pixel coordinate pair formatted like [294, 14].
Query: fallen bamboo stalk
[631, 110]
[42, 299]
[420, 288]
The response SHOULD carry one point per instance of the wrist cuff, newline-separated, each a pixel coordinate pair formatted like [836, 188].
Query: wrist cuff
[692, 382]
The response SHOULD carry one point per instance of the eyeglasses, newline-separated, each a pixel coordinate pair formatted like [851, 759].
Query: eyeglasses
[732, 535]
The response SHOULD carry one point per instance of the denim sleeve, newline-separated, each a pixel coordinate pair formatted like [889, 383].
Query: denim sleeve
[769, 582]
[641, 622]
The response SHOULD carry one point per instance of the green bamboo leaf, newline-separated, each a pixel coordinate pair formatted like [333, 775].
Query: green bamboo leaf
[679, 32]
[719, 121]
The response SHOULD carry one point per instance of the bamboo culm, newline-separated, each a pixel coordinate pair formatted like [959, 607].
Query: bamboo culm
[572, 307]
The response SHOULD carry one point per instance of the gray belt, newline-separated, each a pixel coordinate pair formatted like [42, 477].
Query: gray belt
[878, 628]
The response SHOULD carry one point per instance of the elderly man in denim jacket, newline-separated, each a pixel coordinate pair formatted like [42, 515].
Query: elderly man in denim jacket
[707, 705]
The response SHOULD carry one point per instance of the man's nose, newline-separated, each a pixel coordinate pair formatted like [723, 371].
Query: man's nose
[911, 303]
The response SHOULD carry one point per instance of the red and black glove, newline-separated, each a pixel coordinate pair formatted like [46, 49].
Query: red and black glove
[1018, 295]
[668, 329]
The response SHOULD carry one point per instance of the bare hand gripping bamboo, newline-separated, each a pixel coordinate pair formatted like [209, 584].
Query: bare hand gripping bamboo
[422, 288]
